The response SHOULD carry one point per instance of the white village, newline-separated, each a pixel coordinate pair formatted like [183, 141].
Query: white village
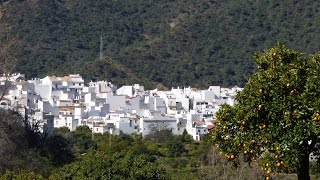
[54, 102]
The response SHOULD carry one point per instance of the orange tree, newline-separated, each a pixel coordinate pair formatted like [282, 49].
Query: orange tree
[277, 116]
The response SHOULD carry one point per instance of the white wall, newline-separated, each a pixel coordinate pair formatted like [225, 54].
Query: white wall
[45, 106]
[116, 102]
[208, 96]
[125, 91]
[124, 126]
[216, 90]
[43, 90]
[161, 122]
[133, 103]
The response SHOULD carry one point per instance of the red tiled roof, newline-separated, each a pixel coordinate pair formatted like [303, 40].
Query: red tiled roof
[210, 127]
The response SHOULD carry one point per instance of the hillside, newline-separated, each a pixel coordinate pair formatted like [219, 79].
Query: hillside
[181, 42]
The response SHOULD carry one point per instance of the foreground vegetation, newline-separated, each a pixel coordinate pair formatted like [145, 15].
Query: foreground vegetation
[26, 154]
[83, 155]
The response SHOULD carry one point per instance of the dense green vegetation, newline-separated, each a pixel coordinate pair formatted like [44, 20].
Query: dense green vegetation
[170, 42]
[27, 154]
[277, 117]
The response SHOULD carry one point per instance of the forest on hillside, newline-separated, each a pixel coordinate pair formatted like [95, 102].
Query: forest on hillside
[175, 43]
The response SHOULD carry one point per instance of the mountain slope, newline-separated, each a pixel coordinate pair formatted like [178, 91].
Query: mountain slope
[180, 42]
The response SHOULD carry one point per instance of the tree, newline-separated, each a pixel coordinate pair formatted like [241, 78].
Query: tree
[57, 150]
[9, 175]
[82, 140]
[277, 115]
[17, 149]
[106, 165]
[159, 132]
[12, 138]
[175, 148]
[7, 61]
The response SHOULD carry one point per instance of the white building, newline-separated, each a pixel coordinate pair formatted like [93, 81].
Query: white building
[131, 91]
[196, 126]
[157, 122]
[67, 102]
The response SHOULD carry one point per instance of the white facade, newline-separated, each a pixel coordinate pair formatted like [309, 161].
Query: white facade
[116, 102]
[156, 123]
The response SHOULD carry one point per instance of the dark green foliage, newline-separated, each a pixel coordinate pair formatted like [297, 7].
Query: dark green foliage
[175, 148]
[171, 42]
[111, 166]
[21, 175]
[79, 140]
[123, 158]
[277, 115]
[131, 157]
[57, 149]
[160, 136]
[23, 147]
[82, 140]
[185, 137]
[16, 149]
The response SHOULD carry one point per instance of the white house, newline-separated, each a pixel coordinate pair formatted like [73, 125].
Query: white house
[157, 122]
[196, 126]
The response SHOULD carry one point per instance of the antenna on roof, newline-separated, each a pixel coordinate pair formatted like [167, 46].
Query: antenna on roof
[101, 48]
